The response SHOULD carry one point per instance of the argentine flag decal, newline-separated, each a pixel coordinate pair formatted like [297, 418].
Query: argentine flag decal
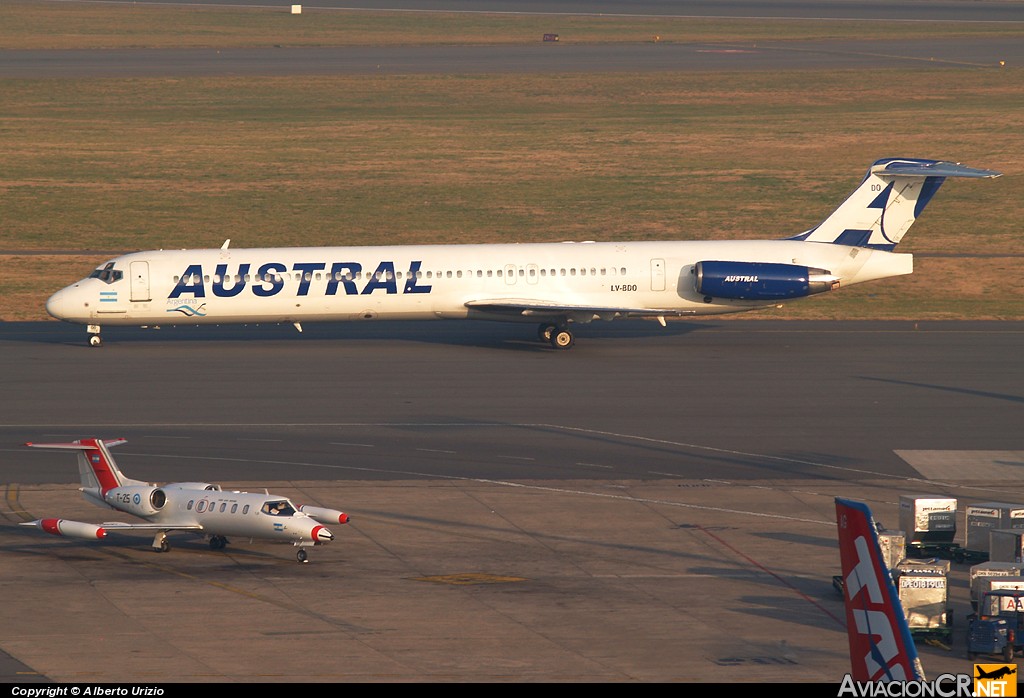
[108, 296]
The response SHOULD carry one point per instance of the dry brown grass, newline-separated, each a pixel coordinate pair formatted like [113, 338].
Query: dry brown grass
[334, 160]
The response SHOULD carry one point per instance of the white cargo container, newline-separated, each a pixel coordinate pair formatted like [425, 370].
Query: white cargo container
[928, 520]
[893, 545]
[981, 519]
[987, 570]
[924, 594]
[1006, 545]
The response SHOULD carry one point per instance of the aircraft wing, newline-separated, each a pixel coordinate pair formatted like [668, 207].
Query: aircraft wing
[90, 531]
[541, 308]
[123, 526]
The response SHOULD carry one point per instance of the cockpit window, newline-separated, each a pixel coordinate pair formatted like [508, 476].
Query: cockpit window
[107, 273]
[278, 507]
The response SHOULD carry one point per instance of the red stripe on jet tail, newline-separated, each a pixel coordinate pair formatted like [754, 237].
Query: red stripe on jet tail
[100, 466]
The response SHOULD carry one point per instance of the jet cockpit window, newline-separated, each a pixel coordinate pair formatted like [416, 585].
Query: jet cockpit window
[107, 274]
[278, 507]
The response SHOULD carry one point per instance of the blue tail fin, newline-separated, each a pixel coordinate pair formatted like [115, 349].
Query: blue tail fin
[891, 197]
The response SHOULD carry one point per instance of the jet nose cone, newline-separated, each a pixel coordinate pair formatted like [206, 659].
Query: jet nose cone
[56, 306]
[321, 534]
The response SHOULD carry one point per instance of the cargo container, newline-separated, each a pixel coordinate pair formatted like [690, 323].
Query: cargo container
[928, 522]
[981, 519]
[1006, 544]
[924, 594]
[986, 570]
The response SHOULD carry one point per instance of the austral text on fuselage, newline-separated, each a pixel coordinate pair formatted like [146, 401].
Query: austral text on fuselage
[268, 280]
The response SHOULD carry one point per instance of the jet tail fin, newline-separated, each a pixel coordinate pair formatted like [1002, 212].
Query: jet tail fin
[881, 647]
[96, 467]
[893, 194]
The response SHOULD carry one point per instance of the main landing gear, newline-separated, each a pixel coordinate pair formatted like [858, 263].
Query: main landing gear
[218, 542]
[160, 543]
[559, 336]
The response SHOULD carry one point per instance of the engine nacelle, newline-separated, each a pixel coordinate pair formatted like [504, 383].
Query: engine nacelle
[140, 500]
[760, 281]
[71, 529]
[332, 516]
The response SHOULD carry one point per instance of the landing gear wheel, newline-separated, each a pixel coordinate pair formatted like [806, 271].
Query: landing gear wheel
[218, 542]
[160, 543]
[545, 331]
[95, 340]
[562, 339]
[302, 556]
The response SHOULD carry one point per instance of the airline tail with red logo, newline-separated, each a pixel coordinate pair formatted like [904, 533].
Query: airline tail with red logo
[881, 647]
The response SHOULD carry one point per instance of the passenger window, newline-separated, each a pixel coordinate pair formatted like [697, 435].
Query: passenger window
[234, 508]
[188, 507]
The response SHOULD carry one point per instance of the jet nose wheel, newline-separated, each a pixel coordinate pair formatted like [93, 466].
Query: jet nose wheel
[95, 341]
[302, 556]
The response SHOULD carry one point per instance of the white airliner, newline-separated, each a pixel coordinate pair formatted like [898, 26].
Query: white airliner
[553, 284]
[199, 507]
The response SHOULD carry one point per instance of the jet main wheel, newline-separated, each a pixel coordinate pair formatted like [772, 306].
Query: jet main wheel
[218, 542]
[562, 339]
[95, 340]
[545, 331]
[302, 556]
[165, 547]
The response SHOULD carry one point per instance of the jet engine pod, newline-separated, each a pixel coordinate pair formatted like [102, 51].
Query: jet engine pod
[74, 529]
[140, 500]
[760, 281]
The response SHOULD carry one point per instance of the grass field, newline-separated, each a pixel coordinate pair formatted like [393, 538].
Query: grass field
[36, 24]
[127, 164]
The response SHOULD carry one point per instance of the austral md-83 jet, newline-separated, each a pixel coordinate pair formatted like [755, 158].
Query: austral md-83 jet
[552, 284]
[198, 507]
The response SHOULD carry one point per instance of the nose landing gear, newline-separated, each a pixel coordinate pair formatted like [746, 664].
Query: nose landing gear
[94, 336]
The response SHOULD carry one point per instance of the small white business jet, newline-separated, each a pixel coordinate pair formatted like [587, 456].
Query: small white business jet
[199, 507]
[553, 284]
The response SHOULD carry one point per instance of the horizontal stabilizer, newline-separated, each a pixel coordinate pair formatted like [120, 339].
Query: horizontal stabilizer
[890, 198]
[78, 445]
[931, 168]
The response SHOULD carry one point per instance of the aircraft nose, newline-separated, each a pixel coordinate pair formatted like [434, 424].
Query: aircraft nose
[321, 534]
[57, 304]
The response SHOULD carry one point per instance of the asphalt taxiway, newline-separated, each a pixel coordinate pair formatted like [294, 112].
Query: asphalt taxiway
[653, 505]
